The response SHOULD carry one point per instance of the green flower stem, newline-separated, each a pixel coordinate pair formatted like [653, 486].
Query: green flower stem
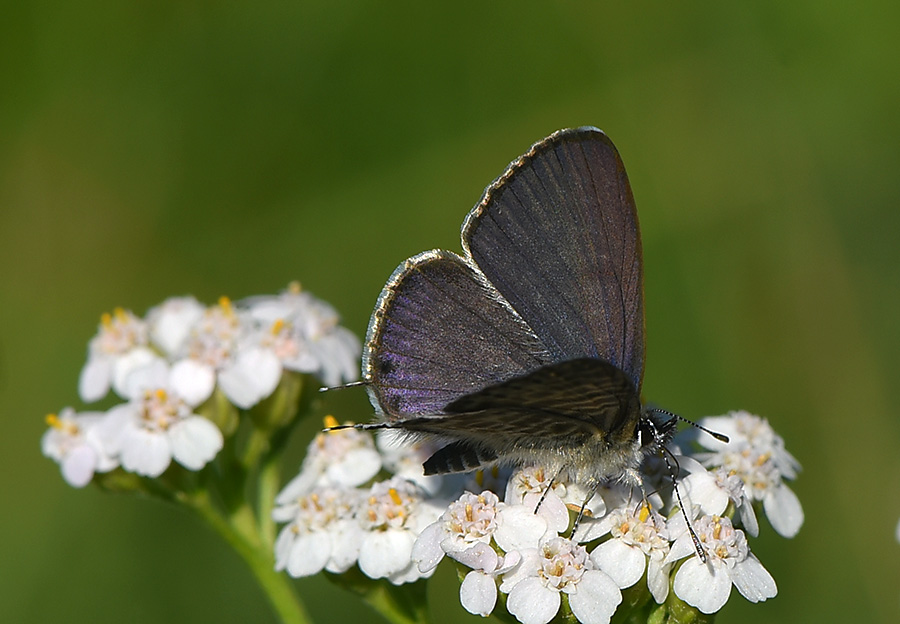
[241, 532]
[258, 444]
[399, 604]
[395, 606]
[269, 485]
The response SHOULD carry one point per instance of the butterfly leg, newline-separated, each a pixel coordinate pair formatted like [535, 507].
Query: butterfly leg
[594, 486]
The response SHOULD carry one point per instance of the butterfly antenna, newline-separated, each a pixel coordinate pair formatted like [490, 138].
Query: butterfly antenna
[352, 384]
[361, 426]
[721, 437]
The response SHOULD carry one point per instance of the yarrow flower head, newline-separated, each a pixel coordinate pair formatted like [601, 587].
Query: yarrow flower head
[119, 347]
[559, 566]
[551, 495]
[466, 532]
[757, 455]
[72, 441]
[358, 503]
[714, 490]
[392, 515]
[322, 532]
[639, 540]
[303, 333]
[707, 586]
[167, 366]
[343, 458]
[156, 426]
[211, 355]
[478, 519]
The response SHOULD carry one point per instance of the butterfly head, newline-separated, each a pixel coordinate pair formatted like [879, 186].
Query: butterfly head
[654, 431]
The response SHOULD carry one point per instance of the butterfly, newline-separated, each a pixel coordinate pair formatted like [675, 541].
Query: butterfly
[528, 348]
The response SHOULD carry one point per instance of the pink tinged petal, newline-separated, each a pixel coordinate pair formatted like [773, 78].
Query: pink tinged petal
[753, 580]
[690, 465]
[521, 528]
[658, 580]
[705, 586]
[596, 598]
[139, 370]
[784, 511]
[303, 362]
[93, 383]
[603, 525]
[78, 466]
[478, 593]
[427, 551]
[145, 453]
[308, 555]
[251, 378]
[532, 603]
[623, 563]
[385, 552]
[192, 381]
[355, 468]
[51, 444]
[195, 441]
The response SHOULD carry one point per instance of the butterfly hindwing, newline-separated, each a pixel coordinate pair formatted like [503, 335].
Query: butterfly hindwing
[578, 403]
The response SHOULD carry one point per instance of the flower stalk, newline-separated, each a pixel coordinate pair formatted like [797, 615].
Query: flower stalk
[241, 531]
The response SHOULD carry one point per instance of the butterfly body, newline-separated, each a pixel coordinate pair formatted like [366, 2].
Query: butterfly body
[528, 347]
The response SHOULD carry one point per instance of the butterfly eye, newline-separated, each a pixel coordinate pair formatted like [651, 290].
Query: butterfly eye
[646, 433]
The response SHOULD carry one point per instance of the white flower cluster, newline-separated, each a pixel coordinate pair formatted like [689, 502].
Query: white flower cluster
[169, 363]
[522, 546]
[335, 522]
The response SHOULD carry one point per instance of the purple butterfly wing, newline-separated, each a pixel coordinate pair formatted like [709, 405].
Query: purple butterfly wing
[439, 331]
[557, 235]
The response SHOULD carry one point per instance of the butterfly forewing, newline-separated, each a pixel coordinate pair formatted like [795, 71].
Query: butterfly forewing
[557, 235]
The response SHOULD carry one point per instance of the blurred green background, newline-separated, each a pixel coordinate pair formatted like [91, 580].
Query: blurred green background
[154, 149]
